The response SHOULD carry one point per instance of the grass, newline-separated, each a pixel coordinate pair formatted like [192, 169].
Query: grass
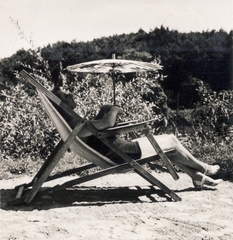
[13, 168]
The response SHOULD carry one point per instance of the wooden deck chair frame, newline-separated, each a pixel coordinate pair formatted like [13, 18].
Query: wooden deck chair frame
[69, 139]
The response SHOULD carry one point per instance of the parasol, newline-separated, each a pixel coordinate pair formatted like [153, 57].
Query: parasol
[113, 66]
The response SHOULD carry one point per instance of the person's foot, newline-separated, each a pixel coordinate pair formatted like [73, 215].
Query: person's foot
[202, 180]
[211, 170]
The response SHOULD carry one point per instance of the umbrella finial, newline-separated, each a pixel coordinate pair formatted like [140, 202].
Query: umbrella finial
[113, 56]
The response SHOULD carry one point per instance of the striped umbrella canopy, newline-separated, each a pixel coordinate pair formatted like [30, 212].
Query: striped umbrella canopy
[114, 66]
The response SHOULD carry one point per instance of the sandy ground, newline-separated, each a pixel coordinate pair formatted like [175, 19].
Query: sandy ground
[121, 206]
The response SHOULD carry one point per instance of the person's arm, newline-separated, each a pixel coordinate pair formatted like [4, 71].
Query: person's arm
[108, 120]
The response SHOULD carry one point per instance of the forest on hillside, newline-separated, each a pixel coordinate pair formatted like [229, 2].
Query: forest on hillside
[187, 58]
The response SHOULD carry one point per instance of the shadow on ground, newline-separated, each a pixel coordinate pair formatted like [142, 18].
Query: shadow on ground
[89, 196]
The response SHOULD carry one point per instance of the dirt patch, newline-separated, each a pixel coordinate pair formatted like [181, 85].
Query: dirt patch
[120, 206]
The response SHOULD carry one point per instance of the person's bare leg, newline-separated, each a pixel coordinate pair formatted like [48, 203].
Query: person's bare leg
[198, 178]
[183, 156]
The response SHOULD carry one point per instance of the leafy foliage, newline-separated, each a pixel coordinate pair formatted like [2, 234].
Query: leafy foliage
[213, 114]
[134, 96]
[206, 56]
[25, 131]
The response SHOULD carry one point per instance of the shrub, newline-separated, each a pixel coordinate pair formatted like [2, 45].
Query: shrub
[93, 91]
[213, 115]
[25, 129]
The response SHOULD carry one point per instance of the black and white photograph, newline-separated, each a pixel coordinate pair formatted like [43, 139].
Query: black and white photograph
[116, 119]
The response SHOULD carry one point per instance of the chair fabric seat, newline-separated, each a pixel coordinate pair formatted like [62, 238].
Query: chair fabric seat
[77, 146]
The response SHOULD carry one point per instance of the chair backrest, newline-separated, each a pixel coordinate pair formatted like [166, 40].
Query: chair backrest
[77, 146]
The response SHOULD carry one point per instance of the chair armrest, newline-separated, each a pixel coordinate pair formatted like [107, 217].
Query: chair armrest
[127, 123]
[122, 129]
[135, 122]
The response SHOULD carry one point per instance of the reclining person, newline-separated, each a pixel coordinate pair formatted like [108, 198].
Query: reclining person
[198, 171]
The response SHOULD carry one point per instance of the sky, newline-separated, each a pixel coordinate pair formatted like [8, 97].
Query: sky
[46, 22]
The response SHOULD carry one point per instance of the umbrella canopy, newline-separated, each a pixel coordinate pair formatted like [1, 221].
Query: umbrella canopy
[113, 66]
[116, 65]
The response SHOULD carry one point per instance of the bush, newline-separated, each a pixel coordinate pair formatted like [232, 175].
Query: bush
[94, 91]
[25, 129]
[214, 111]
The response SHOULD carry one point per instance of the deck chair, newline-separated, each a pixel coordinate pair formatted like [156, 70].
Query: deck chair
[70, 140]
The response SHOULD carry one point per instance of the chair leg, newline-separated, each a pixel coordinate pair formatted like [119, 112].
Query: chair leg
[56, 156]
[161, 153]
[53, 159]
[43, 167]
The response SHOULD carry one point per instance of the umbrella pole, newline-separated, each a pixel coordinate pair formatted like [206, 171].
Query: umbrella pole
[114, 82]
[114, 89]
